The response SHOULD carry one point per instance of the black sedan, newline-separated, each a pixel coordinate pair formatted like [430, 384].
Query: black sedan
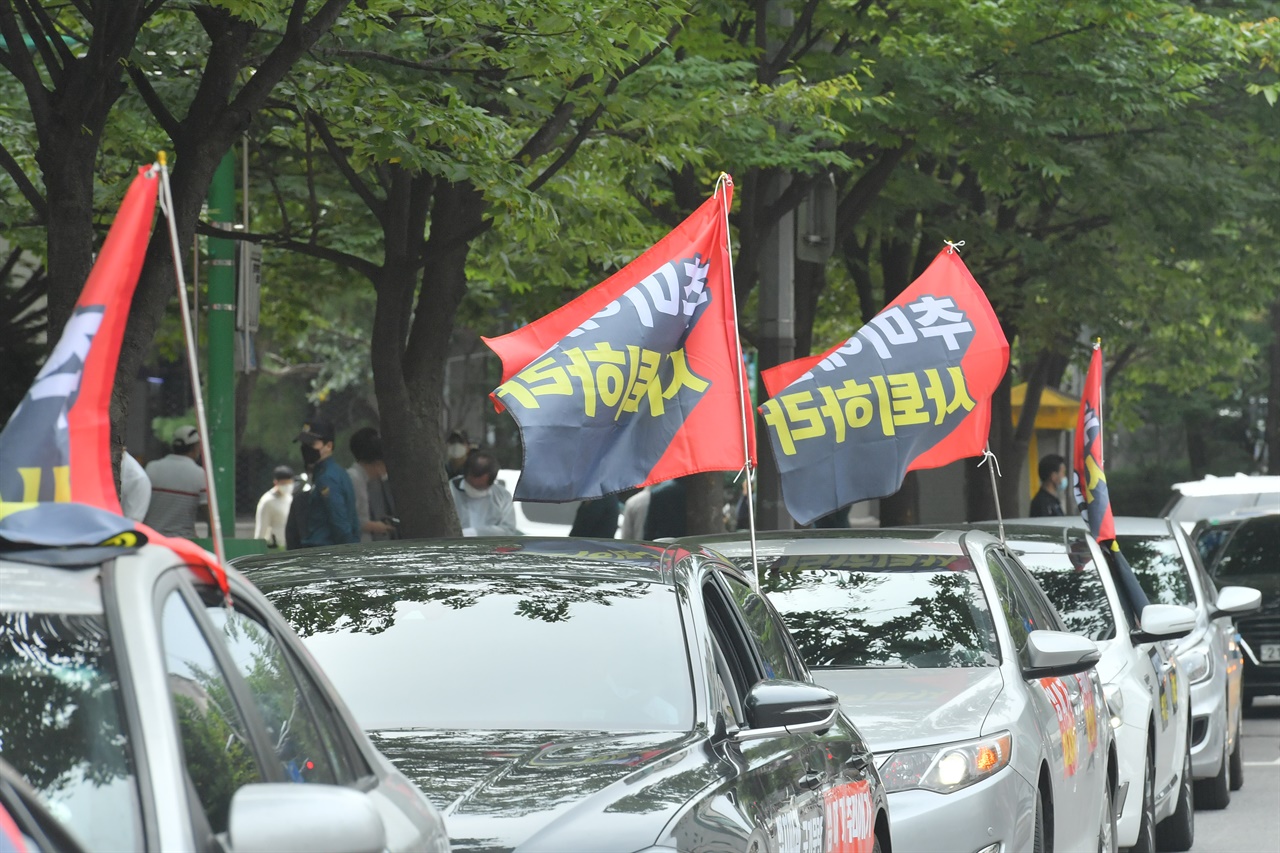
[584, 695]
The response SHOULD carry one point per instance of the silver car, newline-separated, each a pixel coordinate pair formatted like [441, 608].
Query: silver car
[149, 716]
[988, 722]
[1168, 567]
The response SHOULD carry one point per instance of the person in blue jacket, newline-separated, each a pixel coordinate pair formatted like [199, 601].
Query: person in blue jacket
[331, 517]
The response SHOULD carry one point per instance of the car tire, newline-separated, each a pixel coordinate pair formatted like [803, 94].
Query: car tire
[1236, 761]
[1177, 832]
[1038, 841]
[1146, 842]
[1215, 793]
[1107, 829]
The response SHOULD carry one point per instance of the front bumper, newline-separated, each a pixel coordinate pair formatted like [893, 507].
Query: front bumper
[999, 810]
[1208, 726]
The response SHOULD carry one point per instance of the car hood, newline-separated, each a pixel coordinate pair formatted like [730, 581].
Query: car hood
[899, 708]
[552, 790]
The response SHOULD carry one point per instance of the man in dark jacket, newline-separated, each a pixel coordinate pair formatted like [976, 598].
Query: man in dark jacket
[1053, 482]
[331, 502]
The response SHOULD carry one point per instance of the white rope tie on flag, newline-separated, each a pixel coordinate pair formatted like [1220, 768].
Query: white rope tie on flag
[994, 470]
[722, 182]
[953, 246]
[188, 330]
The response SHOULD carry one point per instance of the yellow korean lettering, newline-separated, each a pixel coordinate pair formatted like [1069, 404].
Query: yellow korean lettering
[908, 401]
[884, 407]
[799, 411]
[774, 417]
[683, 377]
[935, 392]
[537, 380]
[642, 382]
[831, 408]
[610, 383]
[580, 370]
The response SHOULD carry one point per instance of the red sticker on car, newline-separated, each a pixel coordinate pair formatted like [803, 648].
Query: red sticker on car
[850, 818]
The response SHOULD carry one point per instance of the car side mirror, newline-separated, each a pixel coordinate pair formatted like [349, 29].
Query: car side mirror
[779, 707]
[1052, 654]
[267, 818]
[1163, 622]
[1236, 601]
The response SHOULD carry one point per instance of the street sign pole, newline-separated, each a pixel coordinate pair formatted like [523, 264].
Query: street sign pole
[222, 342]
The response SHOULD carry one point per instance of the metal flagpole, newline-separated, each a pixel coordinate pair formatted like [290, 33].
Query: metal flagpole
[993, 467]
[202, 424]
[723, 181]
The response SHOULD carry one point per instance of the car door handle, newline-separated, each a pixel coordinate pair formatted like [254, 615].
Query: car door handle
[810, 780]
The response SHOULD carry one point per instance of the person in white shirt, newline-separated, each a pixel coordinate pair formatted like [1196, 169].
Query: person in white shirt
[135, 488]
[177, 486]
[273, 508]
[634, 511]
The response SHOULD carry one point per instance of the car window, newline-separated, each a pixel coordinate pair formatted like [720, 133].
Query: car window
[1071, 582]
[1043, 615]
[215, 742]
[1016, 613]
[1252, 550]
[1196, 507]
[1157, 562]
[306, 751]
[769, 635]
[874, 610]
[735, 670]
[61, 724]
[450, 651]
[1210, 539]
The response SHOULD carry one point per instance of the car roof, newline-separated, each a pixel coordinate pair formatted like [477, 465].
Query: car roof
[1237, 484]
[551, 557]
[38, 586]
[1029, 534]
[895, 540]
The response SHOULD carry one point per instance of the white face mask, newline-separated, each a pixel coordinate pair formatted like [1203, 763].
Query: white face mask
[285, 489]
[472, 491]
[457, 451]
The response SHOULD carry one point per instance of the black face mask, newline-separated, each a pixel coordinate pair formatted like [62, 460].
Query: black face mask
[310, 455]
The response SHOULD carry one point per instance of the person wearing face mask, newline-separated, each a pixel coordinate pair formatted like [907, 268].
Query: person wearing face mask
[273, 508]
[1053, 483]
[456, 447]
[483, 504]
[374, 504]
[330, 513]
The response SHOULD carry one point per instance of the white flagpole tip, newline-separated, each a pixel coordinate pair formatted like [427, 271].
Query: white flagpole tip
[953, 245]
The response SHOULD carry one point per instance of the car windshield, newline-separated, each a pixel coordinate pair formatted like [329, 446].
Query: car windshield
[1073, 586]
[1158, 563]
[500, 651]
[883, 610]
[1252, 550]
[61, 724]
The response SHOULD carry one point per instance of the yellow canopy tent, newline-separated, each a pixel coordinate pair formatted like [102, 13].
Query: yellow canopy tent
[1057, 411]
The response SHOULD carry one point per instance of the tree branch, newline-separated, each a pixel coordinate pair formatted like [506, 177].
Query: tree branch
[773, 68]
[28, 189]
[340, 159]
[43, 42]
[159, 111]
[368, 269]
[19, 62]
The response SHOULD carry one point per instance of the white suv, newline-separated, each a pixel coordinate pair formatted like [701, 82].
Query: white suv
[1199, 499]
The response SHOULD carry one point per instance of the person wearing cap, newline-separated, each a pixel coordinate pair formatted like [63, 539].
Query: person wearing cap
[330, 517]
[273, 508]
[177, 486]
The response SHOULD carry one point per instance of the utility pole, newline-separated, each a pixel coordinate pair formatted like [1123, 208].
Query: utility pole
[776, 312]
[222, 343]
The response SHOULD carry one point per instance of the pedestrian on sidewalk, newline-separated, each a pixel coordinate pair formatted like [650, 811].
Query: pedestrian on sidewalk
[178, 490]
[374, 506]
[273, 508]
[331, 501]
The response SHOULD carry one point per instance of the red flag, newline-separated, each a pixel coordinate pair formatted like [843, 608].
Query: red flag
[57, 444]
[637, 380]
[911, 390]
[1089, 475]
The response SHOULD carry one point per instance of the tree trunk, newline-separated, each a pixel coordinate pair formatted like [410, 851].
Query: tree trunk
[68, 170]
[704, 503]
[811, 280]
[1273, 394]
[1197, 443]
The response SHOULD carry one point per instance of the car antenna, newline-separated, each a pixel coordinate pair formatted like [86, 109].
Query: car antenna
[994, 470]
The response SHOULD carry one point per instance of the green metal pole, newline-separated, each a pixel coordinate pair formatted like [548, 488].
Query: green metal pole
[222, 342]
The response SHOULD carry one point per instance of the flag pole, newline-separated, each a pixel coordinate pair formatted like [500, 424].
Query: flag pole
[188, 330]
[993, 468]
[723, 181]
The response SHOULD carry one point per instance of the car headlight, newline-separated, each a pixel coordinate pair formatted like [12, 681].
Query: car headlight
[1115, 704]
[947, 767]
[1197, 665]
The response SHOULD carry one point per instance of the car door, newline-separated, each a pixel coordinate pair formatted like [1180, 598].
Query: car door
[1074, 698]
[778, 782]
[1049, 703]
[839, 754]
